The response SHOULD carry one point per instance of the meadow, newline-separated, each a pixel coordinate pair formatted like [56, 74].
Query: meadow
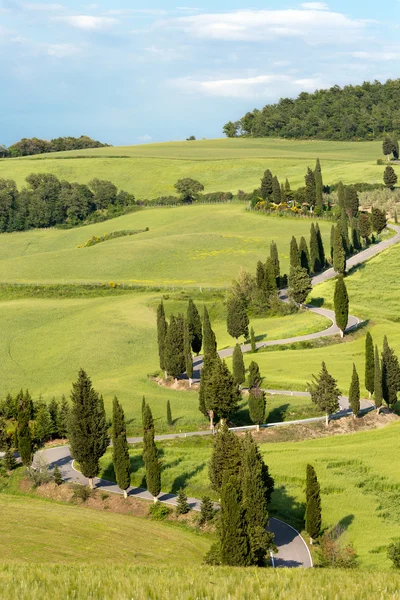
[151, 170]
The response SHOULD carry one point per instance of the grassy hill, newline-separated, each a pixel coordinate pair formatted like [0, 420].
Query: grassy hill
[151, 170]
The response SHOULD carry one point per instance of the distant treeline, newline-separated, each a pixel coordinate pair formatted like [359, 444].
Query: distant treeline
[46, 202]
[364, 112]
[30, 146]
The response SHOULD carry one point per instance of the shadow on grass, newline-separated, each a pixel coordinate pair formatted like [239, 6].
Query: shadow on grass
[287, 508]
[317, 302]
[181, 481]
[278, 414]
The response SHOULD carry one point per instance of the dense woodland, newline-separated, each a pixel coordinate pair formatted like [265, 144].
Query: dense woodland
[29, 146]
[364, 112]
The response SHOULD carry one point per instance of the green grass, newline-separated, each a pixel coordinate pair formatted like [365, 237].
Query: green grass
[38, 531]
[186, 246]
[35, 582]
[360, 483]
[222, 165]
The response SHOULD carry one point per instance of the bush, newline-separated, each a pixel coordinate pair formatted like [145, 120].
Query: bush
[333, 553]
[159, 511]
[82, 492]
[213, 556]
[393, 553]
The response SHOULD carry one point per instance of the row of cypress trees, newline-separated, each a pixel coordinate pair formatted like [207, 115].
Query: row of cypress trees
[312, 257]
[382, 372]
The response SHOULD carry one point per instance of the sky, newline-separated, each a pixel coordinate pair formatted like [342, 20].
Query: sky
[131, 72]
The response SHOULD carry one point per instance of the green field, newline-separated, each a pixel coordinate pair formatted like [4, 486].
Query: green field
[151, 170]
[360, 489]
[186, 246]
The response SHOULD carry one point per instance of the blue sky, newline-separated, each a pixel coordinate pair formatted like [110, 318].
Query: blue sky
[128, 72]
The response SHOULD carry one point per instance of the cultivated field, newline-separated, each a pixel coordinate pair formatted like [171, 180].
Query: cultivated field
[151, 170]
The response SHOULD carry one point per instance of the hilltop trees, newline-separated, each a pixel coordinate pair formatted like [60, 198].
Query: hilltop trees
[354, 393]
[87, 431]
[150, 455]
[120, 449]
[341, 302]
[325, 393]
[313, 504]
[369, 364]
[195, 327]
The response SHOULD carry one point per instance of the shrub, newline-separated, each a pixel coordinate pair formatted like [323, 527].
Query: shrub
[333, 553]
[57, 476]
[159, 511]
[82, 492]
[393, 553]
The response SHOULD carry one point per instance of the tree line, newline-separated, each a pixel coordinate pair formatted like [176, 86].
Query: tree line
[365, 112]
[47, 201]
[30, 146]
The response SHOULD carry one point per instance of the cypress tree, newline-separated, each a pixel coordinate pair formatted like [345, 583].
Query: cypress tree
[313, 504]
[58, 480]
[254, 379]
[378, 394]
[143, 408]
[319, 187]
[169, 414]
[162, 328]
[182, 506]
[24, 437]
[122, 467]
[311, 196]
[253, 340]
[339, 255]
[254, 501]
[237, 321]
[9, 461]
[321, 249]
[195, 327]
[314, 251]
[341, 195]
[257, 406]
[325, 393]
[343, 226]
[225, 458]
[369, 364]
[276, 190]
[390, 178]
[54, 416]
[299, 284]
[204, 392]
[63, 416]
[355, 239]
[266, 185]
[354, 393]
[304, 255]
[273, 253]
[206, 510]
[239, 370]
[283, 194]
[294, 254]
[87, 433]
[390, 374]
[222, 393]
[174, 356]
[341, 302]
[260, 277]
[378, 220]
[351, 201]
[288, 190]
[188, 353]
[209, 341]
[150, 455]
[333, 229]
[43, 425]
[234, 540]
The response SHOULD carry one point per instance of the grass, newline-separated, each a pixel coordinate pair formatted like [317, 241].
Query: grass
[38, 531]
[356, 466]
[189, 246]
[151, 170]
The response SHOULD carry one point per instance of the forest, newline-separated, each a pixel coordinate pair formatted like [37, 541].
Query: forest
[30, 146]
[354, 112]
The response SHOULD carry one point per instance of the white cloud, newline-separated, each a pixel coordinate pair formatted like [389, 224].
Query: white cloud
[248, 25]
[265, 86]
[377, 56]
[89, 22]
[315, 6]
[145, 138]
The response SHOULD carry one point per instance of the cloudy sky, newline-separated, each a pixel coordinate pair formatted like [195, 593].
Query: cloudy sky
[129, 71]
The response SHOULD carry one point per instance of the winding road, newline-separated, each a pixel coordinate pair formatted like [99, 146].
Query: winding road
[292, 549]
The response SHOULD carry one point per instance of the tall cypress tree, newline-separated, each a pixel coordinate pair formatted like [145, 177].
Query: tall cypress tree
[209, 341]
[333, 229]
[24, 436]
[339, 254]
[253, 340]
[254, 501]
[276, 190]
[238, 368]
[390, 374]
[254, 379]
[321, 249]
[162, 327]
[174, 356]
[195, 327]
[87, 430]
[266, 185]
[273, 253]
[150, 455]
[343, 226]
[324, 392]
[204, 392]
[257, 406]
[234, 539]
[314, 251]
[120, 448]
[311, 196]
[260, 277]
[319, 187]
[341, 302]
[341, 194]
[294, 254]
[270, 278]
[169, 414]
[304, 255]
[378, 394]
[223, 395]
[43, 425]
[188, 352]
[369, 364]
[354, 393]
[237, 321]
[225, 457]
[63, 416]
[313, 504]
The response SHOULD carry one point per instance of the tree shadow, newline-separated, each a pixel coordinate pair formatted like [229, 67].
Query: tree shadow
[344, 523]
[317, 302]
[181, 481]
[174, 421]
[136, 463]
[287, 508]
[278, 414]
